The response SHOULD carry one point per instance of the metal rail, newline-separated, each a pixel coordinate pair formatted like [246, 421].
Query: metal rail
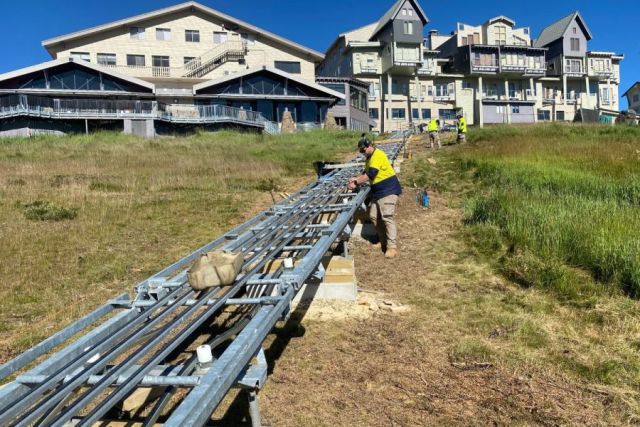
[136, 342]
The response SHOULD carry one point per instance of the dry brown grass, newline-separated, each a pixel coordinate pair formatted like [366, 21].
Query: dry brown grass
[474, 350]
[141, 205]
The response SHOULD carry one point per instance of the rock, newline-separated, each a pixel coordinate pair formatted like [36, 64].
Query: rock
[330, 121]
[288, 125]
[432, 160]
[374, 307]
[400, 309]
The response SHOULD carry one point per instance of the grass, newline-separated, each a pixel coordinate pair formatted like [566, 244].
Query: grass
[83, 218]
[559, 196]
[554, 209]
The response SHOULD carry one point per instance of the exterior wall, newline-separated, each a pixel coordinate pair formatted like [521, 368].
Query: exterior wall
[119, 42]
[633, 98]
[579, 34]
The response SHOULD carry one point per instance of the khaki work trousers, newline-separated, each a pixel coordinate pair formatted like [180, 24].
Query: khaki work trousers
[382, 214]
[434, 138]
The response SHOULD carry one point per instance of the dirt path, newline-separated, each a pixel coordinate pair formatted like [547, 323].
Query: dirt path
[420, 367]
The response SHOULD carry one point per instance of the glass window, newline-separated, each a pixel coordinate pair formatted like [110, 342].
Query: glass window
[374, 113]
[398, 113]
[575, 44]
[107, 58]
[404, 12]
[135, 60]
[85, 56]
[515, 109]
[136, 33]
[426, 113]
[636, 98]
[358, 99]
[410, 12]
[560, 116]
[447, 114]
[544, 116]
[501, 34]
[292, 67]
[248, 38]
[220, 37]
[160, 61]
[163, 34]
[192, 36]
[408, 27]
[188, 59]
[415, 113]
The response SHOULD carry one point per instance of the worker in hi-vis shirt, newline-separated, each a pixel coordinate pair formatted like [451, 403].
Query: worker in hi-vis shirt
[434, 135]
[385, 190]
[462, 129]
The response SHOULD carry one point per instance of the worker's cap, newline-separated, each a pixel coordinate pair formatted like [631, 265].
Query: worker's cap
[364, 142]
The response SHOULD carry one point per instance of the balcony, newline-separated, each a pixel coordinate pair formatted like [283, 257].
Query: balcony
[493, 95]
[602, 73]
[426, 71]
[485, 66]
[102, 109]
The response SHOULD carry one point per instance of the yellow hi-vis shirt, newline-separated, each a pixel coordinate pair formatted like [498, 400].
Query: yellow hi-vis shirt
[384, 182]
[433, 126]
[462, 125]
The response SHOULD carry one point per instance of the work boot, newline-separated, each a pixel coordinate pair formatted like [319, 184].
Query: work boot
[391, 253]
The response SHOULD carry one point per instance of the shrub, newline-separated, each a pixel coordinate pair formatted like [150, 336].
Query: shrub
[41, 210]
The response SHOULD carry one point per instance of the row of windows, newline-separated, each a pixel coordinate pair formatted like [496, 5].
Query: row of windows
[292, 67]
[190, 36]
[545, 116]
[417, 114]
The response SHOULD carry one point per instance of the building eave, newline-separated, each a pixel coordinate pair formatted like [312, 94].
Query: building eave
[280, 73]
[56, 62]
[49, 43]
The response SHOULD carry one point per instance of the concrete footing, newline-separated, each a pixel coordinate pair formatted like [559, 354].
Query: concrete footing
[339, 282]
[142, 128]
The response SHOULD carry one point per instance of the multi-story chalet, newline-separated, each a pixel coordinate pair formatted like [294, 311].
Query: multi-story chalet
[184, 65]
[490, 73]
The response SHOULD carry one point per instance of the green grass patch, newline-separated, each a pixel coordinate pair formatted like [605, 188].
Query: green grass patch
[42, 210]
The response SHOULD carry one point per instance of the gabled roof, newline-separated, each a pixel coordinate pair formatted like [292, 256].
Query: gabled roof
[633, 86]
[56, 62]
[280, 73]
[393, 12]
[177, 8]
[501, 18]
[558, 29]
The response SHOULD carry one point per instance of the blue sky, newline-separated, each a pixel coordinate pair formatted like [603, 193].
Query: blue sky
[316, 24]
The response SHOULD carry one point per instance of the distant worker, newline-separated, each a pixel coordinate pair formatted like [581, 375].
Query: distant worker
[462, 129]
[385, 190]
[434, 135]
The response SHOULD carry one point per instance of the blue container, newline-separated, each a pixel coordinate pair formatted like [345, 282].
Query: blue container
[423, 198]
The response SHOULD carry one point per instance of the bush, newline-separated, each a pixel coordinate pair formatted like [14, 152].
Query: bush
[41, 210]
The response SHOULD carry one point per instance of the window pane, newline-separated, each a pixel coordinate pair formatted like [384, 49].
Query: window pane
[220, 37]
[288, 66]
[107, 58]
[160, 61]
[192, 36]
[135, 60]
[85, 56]
[163, 34]
[136, 33]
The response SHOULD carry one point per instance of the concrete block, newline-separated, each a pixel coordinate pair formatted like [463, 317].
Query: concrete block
[339, 282]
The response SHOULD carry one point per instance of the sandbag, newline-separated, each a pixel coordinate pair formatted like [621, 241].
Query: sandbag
[215, 269]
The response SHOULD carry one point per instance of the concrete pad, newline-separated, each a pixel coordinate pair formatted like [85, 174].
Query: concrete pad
[339, 282]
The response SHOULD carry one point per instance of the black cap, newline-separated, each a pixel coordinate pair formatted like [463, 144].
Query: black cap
[364, 142]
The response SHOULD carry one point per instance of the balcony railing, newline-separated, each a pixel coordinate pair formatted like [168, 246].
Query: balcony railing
[36, 106]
